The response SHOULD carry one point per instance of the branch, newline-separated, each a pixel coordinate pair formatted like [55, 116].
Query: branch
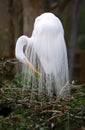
[52, 111]
[73, 87]
[77, 117]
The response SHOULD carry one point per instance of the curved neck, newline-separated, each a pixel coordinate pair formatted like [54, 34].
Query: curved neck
[21, 42]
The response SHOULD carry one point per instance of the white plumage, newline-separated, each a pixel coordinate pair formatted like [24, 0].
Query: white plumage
[46, 50]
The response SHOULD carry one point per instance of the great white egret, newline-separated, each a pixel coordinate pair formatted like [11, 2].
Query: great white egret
[46, 50]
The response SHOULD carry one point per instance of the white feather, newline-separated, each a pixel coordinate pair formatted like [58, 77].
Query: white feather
[48, 52]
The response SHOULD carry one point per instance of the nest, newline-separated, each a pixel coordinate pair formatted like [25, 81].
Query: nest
[26, 109]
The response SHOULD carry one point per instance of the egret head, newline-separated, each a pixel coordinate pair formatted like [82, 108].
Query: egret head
[19, 51]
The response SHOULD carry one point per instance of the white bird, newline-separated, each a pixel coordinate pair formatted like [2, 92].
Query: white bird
[46, 50]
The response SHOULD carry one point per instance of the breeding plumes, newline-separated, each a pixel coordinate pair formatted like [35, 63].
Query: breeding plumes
[45, 52]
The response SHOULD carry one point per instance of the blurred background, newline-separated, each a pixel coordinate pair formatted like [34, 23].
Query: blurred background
[17, 18]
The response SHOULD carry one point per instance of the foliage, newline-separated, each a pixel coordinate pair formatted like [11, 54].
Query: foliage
[81, 42]
[25, 109]
[28, 110]
[6, 71]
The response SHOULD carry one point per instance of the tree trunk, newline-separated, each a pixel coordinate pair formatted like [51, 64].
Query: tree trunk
[11, 29]
[73, 36]
[31, 9]
[69, 12]
[14, 29]
[15, 24]
[18, 18]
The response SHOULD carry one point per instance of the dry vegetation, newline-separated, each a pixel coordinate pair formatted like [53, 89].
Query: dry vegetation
[27, 110]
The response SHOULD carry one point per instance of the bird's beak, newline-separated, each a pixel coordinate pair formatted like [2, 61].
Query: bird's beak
[31, 66]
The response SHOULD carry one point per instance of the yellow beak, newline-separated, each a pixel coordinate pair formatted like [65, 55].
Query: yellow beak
[31, 66]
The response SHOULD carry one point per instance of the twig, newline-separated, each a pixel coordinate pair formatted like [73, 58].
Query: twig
[17, 89]
[50, 119]
[52, 111]
[77, 117]
[77, 86]
[12, 61]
